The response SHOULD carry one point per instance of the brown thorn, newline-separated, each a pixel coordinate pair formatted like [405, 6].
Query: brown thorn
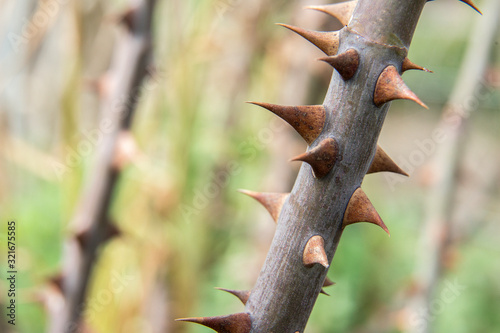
[82, 238]
[470, 3]
[243, 295]
[234, 323]
[390, 86]
[112, 231]
[324, 292]
[326, 41]
[58, 282]
[341, 11]
[360, 209]
[382, 162]
[127, 18]
[273, 202]
[346, 63]
[307, 120]
[314, 252]
[328, 282]
[408, 64]
[321, 158]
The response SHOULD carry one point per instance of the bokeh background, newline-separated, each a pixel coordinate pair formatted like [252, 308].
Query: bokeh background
[185, 229]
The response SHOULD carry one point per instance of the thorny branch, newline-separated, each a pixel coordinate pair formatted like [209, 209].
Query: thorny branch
[91, 226]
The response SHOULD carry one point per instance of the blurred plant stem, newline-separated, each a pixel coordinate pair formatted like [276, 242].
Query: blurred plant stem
[440, 227]
[91, 224]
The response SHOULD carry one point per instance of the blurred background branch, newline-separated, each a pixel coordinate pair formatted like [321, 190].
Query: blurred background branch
[91, 225]
[449, 219]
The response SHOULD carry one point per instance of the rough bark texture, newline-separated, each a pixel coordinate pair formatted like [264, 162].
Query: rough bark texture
[368, 56]
[381, 32]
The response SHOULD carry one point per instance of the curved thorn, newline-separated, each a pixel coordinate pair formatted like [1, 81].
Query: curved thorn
[242, 295]
[341, 11]
[307, 120]
[324, 292]
[321, 158]
[234, 323]
[326, 41]
[346, 63]
[360, 209]
[390, 86]
[273, 202]
[408, 64]
[471, 4]
[314, 252]
[382, 162]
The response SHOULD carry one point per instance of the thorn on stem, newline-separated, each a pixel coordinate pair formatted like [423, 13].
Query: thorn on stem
[346, 63]
[326, 41]
[360, 209]
[390, 86]
[314, 252]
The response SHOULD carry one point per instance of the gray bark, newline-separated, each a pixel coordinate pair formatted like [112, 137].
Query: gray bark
[286, 290]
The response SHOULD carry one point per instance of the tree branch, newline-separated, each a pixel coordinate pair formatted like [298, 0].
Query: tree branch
[91, 226]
